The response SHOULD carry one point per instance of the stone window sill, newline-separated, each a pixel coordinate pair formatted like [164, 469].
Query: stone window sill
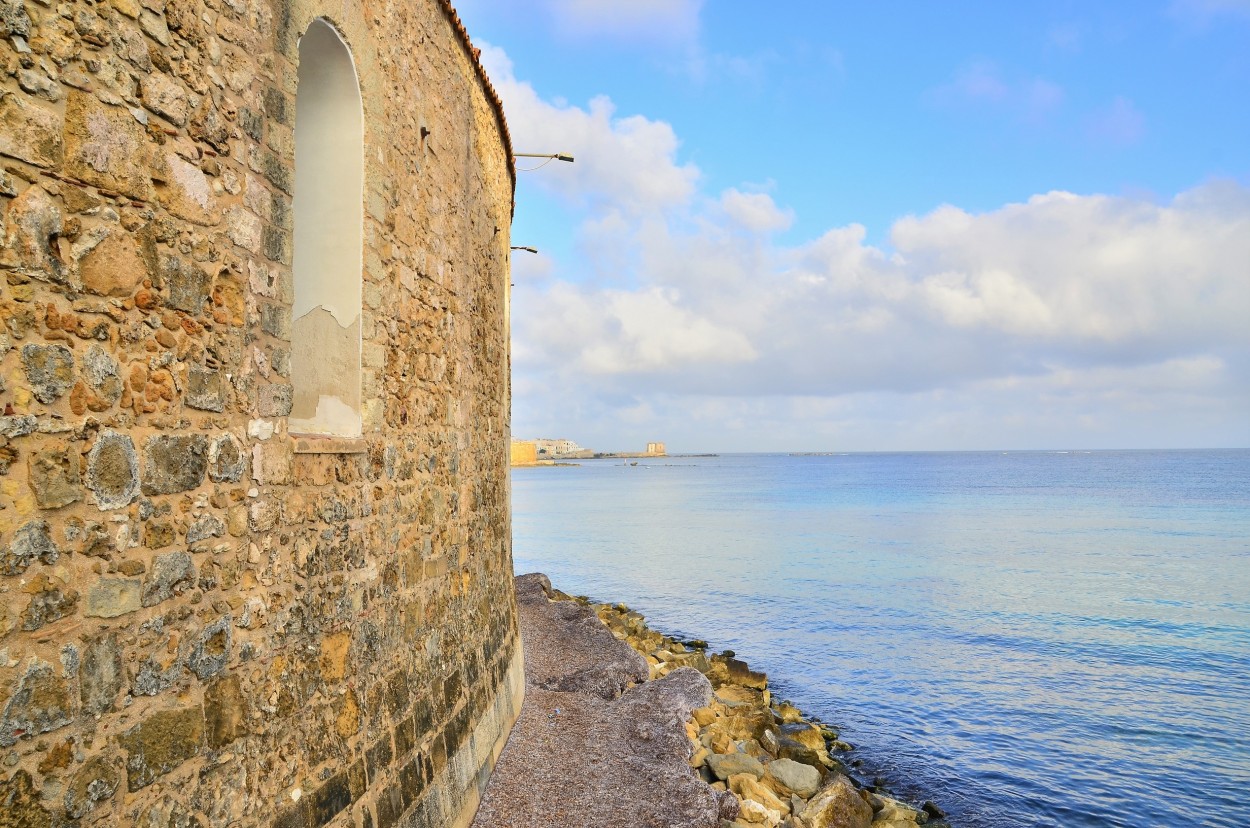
[329, 444]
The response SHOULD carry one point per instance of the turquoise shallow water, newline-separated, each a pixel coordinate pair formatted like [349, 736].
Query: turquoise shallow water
[1029, 638]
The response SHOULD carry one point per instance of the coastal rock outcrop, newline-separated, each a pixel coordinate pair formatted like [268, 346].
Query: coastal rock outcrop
[783, 769]
[623, 725]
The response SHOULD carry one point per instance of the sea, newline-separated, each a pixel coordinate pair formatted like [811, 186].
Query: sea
[1050, 638]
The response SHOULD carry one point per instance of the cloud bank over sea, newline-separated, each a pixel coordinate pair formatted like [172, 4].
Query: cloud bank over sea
[1062, 320]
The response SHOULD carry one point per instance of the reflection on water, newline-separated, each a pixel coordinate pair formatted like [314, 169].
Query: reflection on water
[1031, 639]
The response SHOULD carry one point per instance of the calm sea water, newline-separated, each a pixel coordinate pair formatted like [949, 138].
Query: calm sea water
[1029, 639]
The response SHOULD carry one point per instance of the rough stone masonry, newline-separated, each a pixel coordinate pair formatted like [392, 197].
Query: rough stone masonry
[205, 620]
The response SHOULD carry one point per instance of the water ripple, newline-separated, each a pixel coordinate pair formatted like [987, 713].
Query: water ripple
[1029, 639]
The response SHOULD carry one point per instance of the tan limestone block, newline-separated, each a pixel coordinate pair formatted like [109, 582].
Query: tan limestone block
[333, 660]
[186, 191]
[106, 146]
[30, 132]
[114, 267]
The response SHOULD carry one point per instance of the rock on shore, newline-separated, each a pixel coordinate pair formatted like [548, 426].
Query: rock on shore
[625, 726]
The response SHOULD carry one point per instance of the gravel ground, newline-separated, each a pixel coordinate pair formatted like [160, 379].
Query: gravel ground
[596, 744]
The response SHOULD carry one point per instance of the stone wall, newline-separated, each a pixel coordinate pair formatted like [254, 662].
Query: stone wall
[203, 620]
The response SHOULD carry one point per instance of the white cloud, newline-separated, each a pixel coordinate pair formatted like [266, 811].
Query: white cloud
[1085, 278]
[755, 211]
[1114, 320]
[629, 160]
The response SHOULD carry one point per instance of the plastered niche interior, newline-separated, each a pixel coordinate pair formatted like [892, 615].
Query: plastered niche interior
[329, 158]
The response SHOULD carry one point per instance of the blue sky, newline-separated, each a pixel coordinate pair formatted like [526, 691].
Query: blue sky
[879, 226]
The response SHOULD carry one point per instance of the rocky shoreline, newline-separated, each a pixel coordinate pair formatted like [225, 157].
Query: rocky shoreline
[786, 769]
[600, 739]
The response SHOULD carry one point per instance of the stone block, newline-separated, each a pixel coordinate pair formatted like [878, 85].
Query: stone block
[206, 389]
[96, 781]
[212, 649]
[155, 26]
[30, 132]
[113, 470]
[32, 542]
[161, 743]
[14, 426]
[732, 764]
[33, 227]
[174, 463]
[275, 320]
[330, 799]
[112, 597]
[253, 123]
[100, 676]
[275, 400]
[225, 712]
[49, 370]
[838, 805]
[54, 477]
[273, 463]
[276, 105]
[165, 96]
[208, 526]
[43, 702]
[785, 776]
[334, 652]
[100, 371]
[189, 285]
[276, 244]
[105, 146]
[378, 757]
[171, 573]
[14, 19]
[244, 228]
[187, 192]
[51, 600]
[159, 534]
[226, 459]
[23, 807]
[114, 267]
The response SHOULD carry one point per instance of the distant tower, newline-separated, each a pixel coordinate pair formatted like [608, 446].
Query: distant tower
[656, 448]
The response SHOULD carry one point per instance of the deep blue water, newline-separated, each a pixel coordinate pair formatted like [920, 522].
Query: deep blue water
[1028, 638]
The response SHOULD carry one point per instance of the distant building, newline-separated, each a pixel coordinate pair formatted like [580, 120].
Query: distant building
[524, 453]
[557, 448]
[656, 448]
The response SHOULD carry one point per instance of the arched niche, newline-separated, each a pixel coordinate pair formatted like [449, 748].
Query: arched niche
[329, 180]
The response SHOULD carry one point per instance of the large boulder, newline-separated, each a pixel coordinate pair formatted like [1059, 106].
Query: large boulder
[732, 764]
[789, 777]
[728, 670]
[837, 805]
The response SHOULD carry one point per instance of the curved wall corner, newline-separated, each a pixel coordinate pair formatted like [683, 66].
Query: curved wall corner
[218, 608]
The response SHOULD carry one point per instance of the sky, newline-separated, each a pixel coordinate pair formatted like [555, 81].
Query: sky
[885, 226]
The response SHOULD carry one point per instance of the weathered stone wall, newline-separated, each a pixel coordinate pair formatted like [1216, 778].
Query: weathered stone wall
[204, 621]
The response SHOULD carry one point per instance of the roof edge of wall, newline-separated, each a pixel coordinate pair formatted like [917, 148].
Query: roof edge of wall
[474, 54]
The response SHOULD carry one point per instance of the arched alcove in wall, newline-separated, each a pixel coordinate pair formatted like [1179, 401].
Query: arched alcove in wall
[329, 180]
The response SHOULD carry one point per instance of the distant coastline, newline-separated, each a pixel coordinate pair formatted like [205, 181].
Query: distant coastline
[546, 451]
